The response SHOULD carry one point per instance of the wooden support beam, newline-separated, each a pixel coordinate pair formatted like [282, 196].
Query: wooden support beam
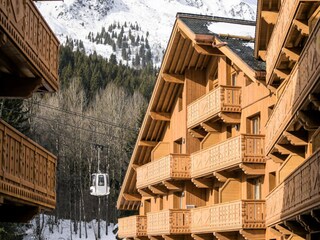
[315, 100]
[221, 176]
[143, 143]
[287, 149]
[283, 230]
[173, 78]
[310, 120]
[297, 138]
[296, 228]
[197, 133]
[3, 39]
[315, 213]
[292, 53]
[158, 190]
[203, 182]
[308, 222]
[278, 157]
[232, 118]
[262, 54]
[145, 192]
[253, 168]
[282, 74]
[270, 16]
[207, 236]
[207, 50]
[253, 234]
[173, 186]
[275, 232]
[226, 235]
[211, 127]
[132, 197]
[302, 26]
[160, 116]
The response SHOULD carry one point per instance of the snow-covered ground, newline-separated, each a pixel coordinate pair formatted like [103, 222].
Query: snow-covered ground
[76, 18]
[61, 231]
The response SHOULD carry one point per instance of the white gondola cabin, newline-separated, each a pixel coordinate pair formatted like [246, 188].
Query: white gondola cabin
[99, 184]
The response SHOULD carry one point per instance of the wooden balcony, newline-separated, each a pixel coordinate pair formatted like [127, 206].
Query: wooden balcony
[29, 51]
[223, 99]
[232, 216]
[298, 193]
[171, 167]
[228, 154]
[300, 84]
[170, 221]
[27, 172]
[132, 227]
[287, 37]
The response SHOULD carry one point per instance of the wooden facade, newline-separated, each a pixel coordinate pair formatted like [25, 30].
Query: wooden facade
[29, 51]
[251, 131]
[28, 64]
[292, 55]
[198, 167]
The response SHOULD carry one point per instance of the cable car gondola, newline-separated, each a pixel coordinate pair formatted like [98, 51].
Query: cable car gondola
[99, 184]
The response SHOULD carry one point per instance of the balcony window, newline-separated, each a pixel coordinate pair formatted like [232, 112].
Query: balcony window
[254, 188]
[253, 124]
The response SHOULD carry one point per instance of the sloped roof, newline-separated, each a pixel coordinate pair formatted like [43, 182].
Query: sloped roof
[199, 24]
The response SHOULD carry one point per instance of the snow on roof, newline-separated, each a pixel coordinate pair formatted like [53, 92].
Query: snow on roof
[232, 29]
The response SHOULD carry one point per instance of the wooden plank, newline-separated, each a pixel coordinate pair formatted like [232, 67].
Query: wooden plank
[207, 50]
[132, 197]
[173, 78]
[270, 16]
[160, 116]
[147, 143]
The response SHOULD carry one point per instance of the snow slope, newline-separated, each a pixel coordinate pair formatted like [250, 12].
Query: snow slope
[76, 18]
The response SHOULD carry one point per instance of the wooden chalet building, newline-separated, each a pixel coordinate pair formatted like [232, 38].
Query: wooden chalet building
[198, 167]
[28, 64]
[288, 39]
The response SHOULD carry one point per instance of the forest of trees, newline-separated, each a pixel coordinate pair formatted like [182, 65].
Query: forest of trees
[100, 102]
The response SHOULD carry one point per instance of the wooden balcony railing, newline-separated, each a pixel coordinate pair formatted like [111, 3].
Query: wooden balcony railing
[280, 31]
[299, 192]
[27, 171]
[233, 151]
[222, 99]
[25, 27]
[171, 221]
[132, 227]
[173, 166]
[228, 216]
[304, 76]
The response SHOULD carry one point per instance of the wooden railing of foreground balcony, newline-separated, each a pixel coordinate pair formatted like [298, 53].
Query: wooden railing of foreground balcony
[170, 221]
[222, 99]
[230, 216]
[132, 227]
[27, 171]
[285, 19]
[25, 26]
[171, 167]
[304, 76]
[233, 151]
[298, 193]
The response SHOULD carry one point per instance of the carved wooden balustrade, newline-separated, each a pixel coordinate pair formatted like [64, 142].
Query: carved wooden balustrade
[170, 221]
[171, 167]
[285, 19]
[298, 193]
[22, 24]
[132, 227]
[222, 99]
[230, 216]
[27, 171]
[232, 152]
[304, 76]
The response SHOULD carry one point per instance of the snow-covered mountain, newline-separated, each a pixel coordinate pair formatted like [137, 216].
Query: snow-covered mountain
[77, 18]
